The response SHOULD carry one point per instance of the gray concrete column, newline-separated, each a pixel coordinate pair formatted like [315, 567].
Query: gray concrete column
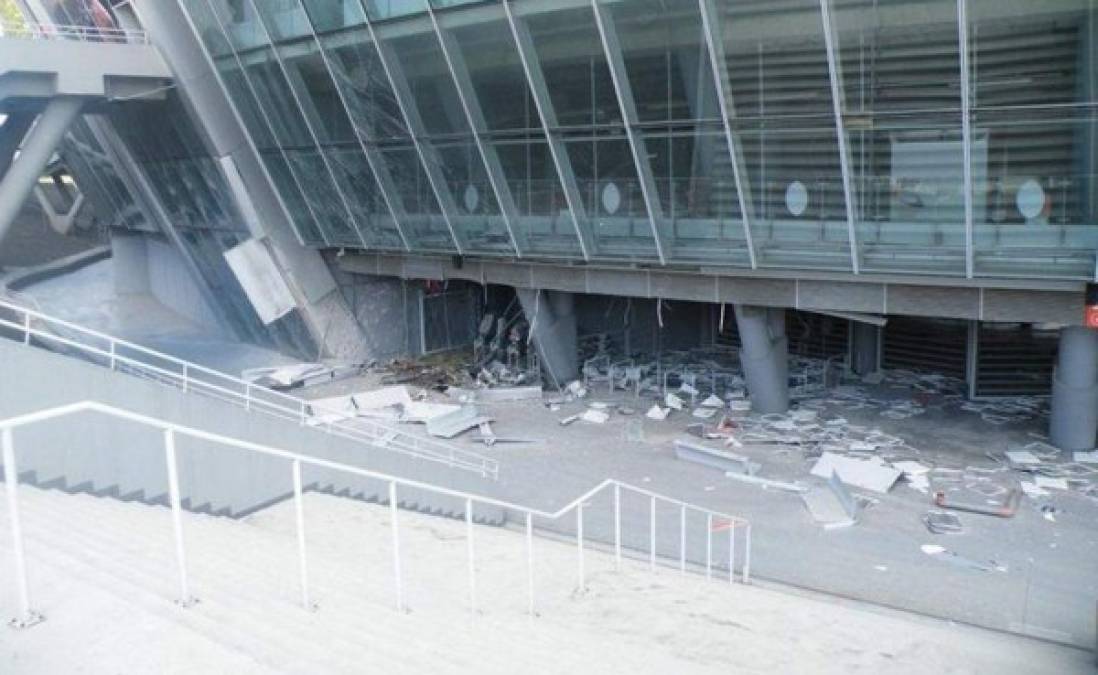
[865, 338]
[12, 133]
[35, 153]
[1074, 417]
[764, 357]
[552, 317]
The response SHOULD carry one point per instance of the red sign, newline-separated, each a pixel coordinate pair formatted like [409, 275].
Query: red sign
[1091, 318]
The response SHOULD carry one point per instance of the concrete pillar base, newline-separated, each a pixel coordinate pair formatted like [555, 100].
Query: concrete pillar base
[552, 317]
[1073, 422]
[865, 338]
[764, 357]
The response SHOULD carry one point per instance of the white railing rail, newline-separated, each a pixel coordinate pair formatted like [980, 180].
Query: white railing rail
[122, 355]
[26, 30]
[715, 520]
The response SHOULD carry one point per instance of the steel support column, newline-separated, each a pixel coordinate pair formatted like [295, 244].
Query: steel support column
[12, 133]
[308, 124]
[539, 91]
[623, 90]
[474, 117]
[834, 68]
[719, 64]
[34, 155]
[966, 131]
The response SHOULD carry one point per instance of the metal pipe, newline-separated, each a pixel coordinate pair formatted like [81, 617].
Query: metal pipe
[396, 545]
[175, 501]
[579, 543]
[530, 560]
[617, 527]
[299, 514]
[27, 616]
[472, 558]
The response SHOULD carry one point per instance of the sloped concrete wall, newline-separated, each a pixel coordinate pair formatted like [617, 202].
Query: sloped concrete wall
[100, 452]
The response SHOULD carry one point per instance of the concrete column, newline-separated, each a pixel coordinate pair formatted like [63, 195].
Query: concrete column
[552, 317]
[764, 357]
[12, 133]
[865, 338]
[1074, 419]
[34, 155]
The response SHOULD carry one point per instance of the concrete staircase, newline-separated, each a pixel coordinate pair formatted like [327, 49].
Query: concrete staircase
[94, 454]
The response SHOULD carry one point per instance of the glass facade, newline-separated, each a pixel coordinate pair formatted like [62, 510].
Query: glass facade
[930, 137]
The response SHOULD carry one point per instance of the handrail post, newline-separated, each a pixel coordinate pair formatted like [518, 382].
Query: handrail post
[396, 544]
[299, 510]
[709, 546]
[617, 527]
[731, 552]
[27, 617]
[530, 560]
[26, 328]
[472, 558]
[747, 555]
[185, 599]
[248, 398]
[682, 539]
[652, 534]
[186, 377]
[579, 543]
[114, 350]
[302, 413]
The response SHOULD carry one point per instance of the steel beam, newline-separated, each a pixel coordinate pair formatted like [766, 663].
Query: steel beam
[531, 65]
[474, 117]
[719, 64]
[831, 41]
[966, 132]
[34, 155]
[623, 90]
[403, 94]
[309, 125]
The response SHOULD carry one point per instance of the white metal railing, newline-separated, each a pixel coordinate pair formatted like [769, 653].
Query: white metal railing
[121, 355]
[715, 520]
[26, 30]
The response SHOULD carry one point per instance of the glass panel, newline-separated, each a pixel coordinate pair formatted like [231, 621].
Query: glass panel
[589, 121]
[514, 132]
[667, 62]
[387, 9]
[779, 98]
[291, 131]
[1035, 128]
[308, 74]
[475, 215]
[375, 113]
[240, 92]
[901, 74]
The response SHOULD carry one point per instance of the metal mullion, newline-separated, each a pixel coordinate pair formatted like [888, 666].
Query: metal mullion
[966, 133]
[415, 127]
[475, 119]
[719, 63]
[835, 75]
[266, 120]
[358, 135]
[612, 49]
[546, 114]
[309, 126]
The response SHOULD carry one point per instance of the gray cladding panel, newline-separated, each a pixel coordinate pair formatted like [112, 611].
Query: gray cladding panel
[765, 292]
[1037, 306]
[841, 296]
[960, 303]
[615, 282]
[684, 287]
